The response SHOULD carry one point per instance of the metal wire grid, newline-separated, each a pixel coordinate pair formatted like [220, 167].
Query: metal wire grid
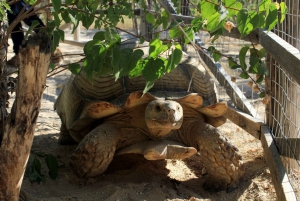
[289, 30]
[282, 111]
[230, 47]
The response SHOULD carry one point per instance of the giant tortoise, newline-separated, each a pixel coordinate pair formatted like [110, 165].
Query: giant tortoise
[174, 120]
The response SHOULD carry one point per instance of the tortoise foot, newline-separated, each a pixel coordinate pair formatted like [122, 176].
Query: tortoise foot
[64, 136]
[66, 140]
[215, 184]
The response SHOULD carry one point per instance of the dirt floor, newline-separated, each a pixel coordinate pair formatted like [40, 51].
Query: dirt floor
[131, 177]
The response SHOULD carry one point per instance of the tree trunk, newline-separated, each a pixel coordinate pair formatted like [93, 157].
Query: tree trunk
[20, 124]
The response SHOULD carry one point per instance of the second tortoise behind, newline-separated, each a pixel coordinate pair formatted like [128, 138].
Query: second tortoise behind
[108, 118]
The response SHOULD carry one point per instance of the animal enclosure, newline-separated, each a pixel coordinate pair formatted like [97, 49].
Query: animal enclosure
[275, 124]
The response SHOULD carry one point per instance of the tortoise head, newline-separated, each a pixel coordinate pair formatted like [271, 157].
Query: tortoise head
[163, 116]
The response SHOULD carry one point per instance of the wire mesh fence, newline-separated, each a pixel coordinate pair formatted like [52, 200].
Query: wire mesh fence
[284, 107]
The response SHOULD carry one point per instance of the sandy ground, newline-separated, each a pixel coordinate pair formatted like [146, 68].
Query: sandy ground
[131, 177]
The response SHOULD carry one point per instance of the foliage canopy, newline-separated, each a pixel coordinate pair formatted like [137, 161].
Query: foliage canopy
[103, 54]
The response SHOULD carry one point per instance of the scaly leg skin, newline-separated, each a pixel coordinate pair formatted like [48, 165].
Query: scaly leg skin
[223, 163]
[97, 149]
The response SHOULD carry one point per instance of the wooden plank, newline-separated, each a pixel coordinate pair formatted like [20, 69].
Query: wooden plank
[280, 179]
[233, 91]
[285, 54]
[289, 147]
[245, 121]
[77, 33]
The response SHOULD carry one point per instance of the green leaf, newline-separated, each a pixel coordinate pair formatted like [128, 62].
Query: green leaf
[137, 71]
[37, 164]
[99, 36]
[68, 2]
[65, 16]
[56, 5]
[272, 18]
[215, 53]
[233, 7]
[262, 69]
[55, 39]
[87, 20]
[244, 75]
[256, 19]
[155, 49]
[142, 39]
[175, 32]
[74, 19]
[262, 53]
[242, 57]
[148, 86]
[74, 68]
[150, 18]
[33, 25]
[232, 64]
[190, 34]
[34, 176]
[243, 22]
[129, 60]
[196, 24]
[61, 34]
[153, 70]
[208, 9]
[95, 53]
[213, 22]
[165, 18]
[260, 79]
[253, 57]
[115, 62]
[264, 5]
[283, 10]
[134, 58]
[52, 164]
[174, 59]
[112, 37]
[57, 20]
[52, 65]
[262, 94]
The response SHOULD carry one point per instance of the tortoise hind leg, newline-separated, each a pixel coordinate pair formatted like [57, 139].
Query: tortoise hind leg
[64, 136]
[223, 163]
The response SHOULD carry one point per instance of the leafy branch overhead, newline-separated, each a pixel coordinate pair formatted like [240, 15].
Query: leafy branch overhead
[103, 54]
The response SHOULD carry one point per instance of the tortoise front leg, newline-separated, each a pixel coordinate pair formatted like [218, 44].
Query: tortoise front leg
[97, 149]
[223, 163]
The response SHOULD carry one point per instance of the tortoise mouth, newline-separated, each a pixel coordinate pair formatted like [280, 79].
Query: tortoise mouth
[154, 123]
[159, 129]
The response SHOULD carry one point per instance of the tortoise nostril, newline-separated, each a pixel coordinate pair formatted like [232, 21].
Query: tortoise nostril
[157, 108]
[171, 111]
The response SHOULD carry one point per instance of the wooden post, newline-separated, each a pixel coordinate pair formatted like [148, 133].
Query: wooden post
[20, 124]
[77, 33]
